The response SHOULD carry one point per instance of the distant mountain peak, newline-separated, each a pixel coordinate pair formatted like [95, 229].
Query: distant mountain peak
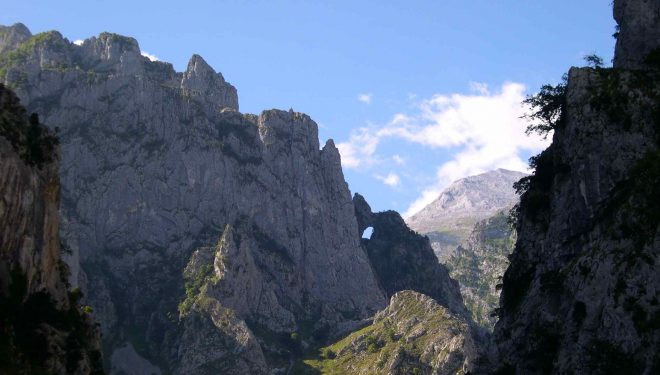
[450, 218]
[483, 193]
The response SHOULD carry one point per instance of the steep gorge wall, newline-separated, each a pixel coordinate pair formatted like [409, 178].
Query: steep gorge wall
[638, 35]
[581, 294]
[42, 330]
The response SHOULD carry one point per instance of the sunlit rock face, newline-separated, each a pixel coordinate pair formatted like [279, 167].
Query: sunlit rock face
[158, 164]
[581, 293]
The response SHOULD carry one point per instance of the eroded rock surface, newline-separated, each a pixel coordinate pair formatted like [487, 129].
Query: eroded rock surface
[155, 165]
[404, 260]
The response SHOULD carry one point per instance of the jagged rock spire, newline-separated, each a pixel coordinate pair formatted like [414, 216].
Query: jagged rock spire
[200, 79]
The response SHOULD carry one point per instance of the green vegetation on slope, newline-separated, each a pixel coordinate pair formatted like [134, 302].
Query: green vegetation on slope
[20, 55]
[414, 335]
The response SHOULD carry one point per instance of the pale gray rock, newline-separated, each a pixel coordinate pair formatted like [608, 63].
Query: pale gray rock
[111, 53]
[201, 80]
[449, 220]
[156, 164]
[215, 341]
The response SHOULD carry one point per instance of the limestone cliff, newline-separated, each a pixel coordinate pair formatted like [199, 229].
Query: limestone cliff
[404, 260]
[42, 329]
[156, 167]
[581, 294]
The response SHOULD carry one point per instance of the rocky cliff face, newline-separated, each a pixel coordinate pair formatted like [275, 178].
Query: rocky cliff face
[638, 34]
[479, 264]
[581, 294]
[207, 241]
[404, 260]
[156, 166]
[42, 330]
[12, 36]
[449, 220]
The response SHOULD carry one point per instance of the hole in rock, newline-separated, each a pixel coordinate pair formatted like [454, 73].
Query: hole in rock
[368, 232]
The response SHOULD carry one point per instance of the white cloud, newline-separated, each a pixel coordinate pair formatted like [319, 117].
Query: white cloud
[359, 150]
[399, 160]
[150, 56]
[365, 98]
[483, 130]
[428, 195]
[78, 42]
[479, 88]
[391, 180]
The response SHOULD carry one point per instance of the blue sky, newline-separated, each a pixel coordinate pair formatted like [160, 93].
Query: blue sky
[416, 93]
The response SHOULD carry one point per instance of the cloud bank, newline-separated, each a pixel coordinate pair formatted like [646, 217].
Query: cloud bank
[482, 131]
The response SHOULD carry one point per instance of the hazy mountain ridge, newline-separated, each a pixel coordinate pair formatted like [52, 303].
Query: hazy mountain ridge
[449, 220]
